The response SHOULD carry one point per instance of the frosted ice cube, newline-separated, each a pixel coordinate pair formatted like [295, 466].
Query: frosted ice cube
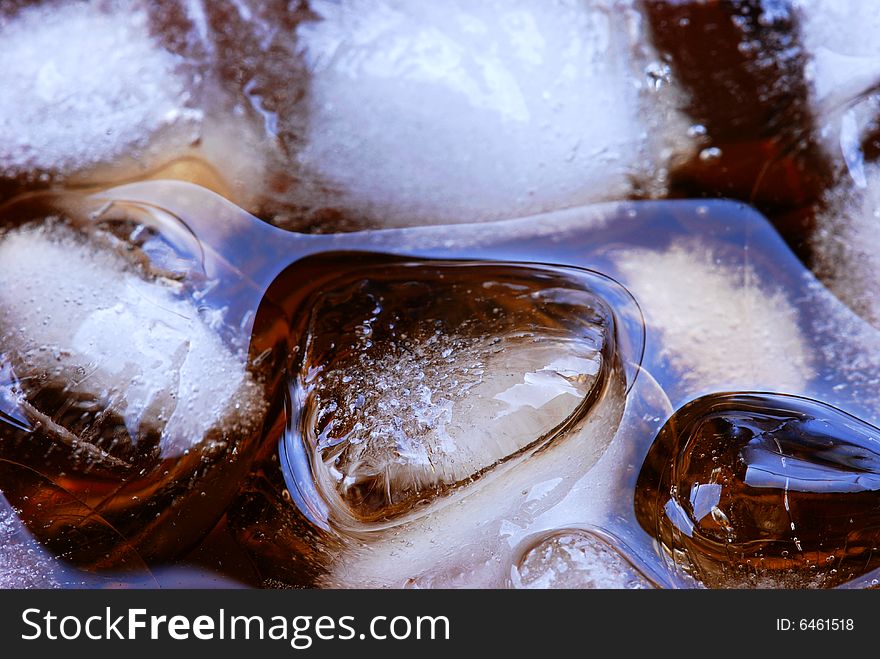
[842, 40]
[846, 244]
[83, 84]
[429, 113]
[575, 559]
[80, 318]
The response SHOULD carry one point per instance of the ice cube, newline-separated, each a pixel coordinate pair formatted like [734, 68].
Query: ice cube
[763, 490]
[574, 559]
[842, 42]
[843, 39]
[84, 84]
[418, 378]
[82, 321]
[422, 113]
[846, 243]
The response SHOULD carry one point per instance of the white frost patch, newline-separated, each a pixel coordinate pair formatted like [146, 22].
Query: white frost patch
[719, 329]
[459, 111]
[847, 245]
[83, 83]
[80, 316]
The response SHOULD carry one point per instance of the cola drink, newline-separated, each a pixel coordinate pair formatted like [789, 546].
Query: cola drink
[379, 294]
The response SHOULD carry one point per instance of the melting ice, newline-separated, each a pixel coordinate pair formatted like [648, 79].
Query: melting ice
[80, 318]
[428, 113]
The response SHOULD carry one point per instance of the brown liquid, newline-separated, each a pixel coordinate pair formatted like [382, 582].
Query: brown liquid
[743, 70]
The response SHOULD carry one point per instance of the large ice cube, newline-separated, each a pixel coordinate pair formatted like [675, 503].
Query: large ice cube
[429, 113]
[84, 84]
[726, 306]
[351, 113]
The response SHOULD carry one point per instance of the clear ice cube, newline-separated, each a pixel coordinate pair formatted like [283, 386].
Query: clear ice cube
[419, 378]
[763, 490]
